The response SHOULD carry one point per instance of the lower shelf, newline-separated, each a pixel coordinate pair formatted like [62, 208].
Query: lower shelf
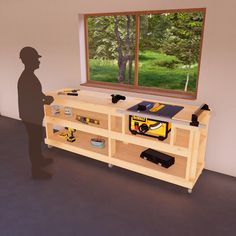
[127, 156]
[130, 153]
[80, 146]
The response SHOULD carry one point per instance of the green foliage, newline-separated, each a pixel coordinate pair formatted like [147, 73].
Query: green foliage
[102, 39]
[168, 64]
[163, 77]
[169, 46]
[158, 76]
[152, 31]
[184, 36]
[105, 71]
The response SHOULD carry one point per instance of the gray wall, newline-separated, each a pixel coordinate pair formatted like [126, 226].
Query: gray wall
[51, 26]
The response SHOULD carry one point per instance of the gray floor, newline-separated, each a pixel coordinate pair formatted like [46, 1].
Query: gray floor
[85, 197]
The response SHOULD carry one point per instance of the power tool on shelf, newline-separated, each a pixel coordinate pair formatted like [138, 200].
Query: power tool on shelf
[149, 127]
[70, 137]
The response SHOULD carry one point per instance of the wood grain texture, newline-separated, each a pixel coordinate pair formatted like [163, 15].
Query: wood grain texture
[186, 143]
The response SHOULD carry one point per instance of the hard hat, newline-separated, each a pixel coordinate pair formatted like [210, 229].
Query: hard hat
[29, 52]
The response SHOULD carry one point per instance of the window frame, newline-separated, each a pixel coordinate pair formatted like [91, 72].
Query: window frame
[135, 87]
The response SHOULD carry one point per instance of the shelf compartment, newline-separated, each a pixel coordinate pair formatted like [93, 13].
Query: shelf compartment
[81, 145]
[128, 156]
[103, 118]
[131, 153]
[77, 126]
[182, 137]
[127, 131]
[116, 123]
[150, 143]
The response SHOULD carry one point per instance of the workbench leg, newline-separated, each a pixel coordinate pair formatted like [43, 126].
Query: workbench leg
[195, 153]
[49, 130]
[189, 157]
[123, 124]
[173, 135]
[111, 147]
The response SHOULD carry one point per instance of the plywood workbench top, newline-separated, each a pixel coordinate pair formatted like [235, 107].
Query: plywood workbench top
[102, 102]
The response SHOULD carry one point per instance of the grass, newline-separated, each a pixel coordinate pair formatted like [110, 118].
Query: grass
[151, 74]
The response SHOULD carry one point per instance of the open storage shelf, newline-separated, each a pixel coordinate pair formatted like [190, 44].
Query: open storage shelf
[78, 112]
[130, 153]
[186, 143]
[149, 142]
[81, 144]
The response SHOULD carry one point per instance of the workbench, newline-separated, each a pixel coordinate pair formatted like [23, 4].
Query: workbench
[186, 141]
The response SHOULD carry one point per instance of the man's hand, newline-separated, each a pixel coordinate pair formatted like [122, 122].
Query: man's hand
[48, 100]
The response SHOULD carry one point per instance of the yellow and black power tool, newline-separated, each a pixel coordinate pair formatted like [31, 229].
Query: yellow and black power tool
[149, 127]
[70, 136]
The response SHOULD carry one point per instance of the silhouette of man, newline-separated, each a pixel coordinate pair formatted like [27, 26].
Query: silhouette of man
[31, 100]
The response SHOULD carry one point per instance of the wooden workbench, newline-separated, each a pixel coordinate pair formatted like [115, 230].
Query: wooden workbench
[185, 142]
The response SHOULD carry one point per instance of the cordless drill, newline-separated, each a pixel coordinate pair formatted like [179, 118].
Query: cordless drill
[70, 137]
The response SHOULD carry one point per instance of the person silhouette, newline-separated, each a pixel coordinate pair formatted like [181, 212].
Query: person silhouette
[30, 101]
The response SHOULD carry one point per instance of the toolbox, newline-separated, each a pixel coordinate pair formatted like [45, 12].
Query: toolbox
[158, 157]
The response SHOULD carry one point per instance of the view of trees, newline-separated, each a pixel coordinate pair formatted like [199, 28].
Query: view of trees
[113, 38]
[169, 48]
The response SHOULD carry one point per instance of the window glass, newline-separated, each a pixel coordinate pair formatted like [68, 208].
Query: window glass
[111, 42]
[169, 49]
[147, 50]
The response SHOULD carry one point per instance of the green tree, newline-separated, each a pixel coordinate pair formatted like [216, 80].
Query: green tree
[101, 38]
[152, 31]
[183, 39]
[112, 37]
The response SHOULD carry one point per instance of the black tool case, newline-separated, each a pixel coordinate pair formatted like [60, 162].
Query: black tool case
[158, 157]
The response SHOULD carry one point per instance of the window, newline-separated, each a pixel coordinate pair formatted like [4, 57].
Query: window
[149, 52]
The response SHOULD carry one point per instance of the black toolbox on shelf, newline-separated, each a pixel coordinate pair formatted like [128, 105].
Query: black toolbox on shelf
[158, 157]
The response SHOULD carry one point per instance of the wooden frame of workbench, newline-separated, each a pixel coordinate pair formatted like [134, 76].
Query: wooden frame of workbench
[185, 142]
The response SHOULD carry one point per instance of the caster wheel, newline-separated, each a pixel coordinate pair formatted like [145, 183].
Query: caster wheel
[110, 165]
[190, 190]
[50, 146]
